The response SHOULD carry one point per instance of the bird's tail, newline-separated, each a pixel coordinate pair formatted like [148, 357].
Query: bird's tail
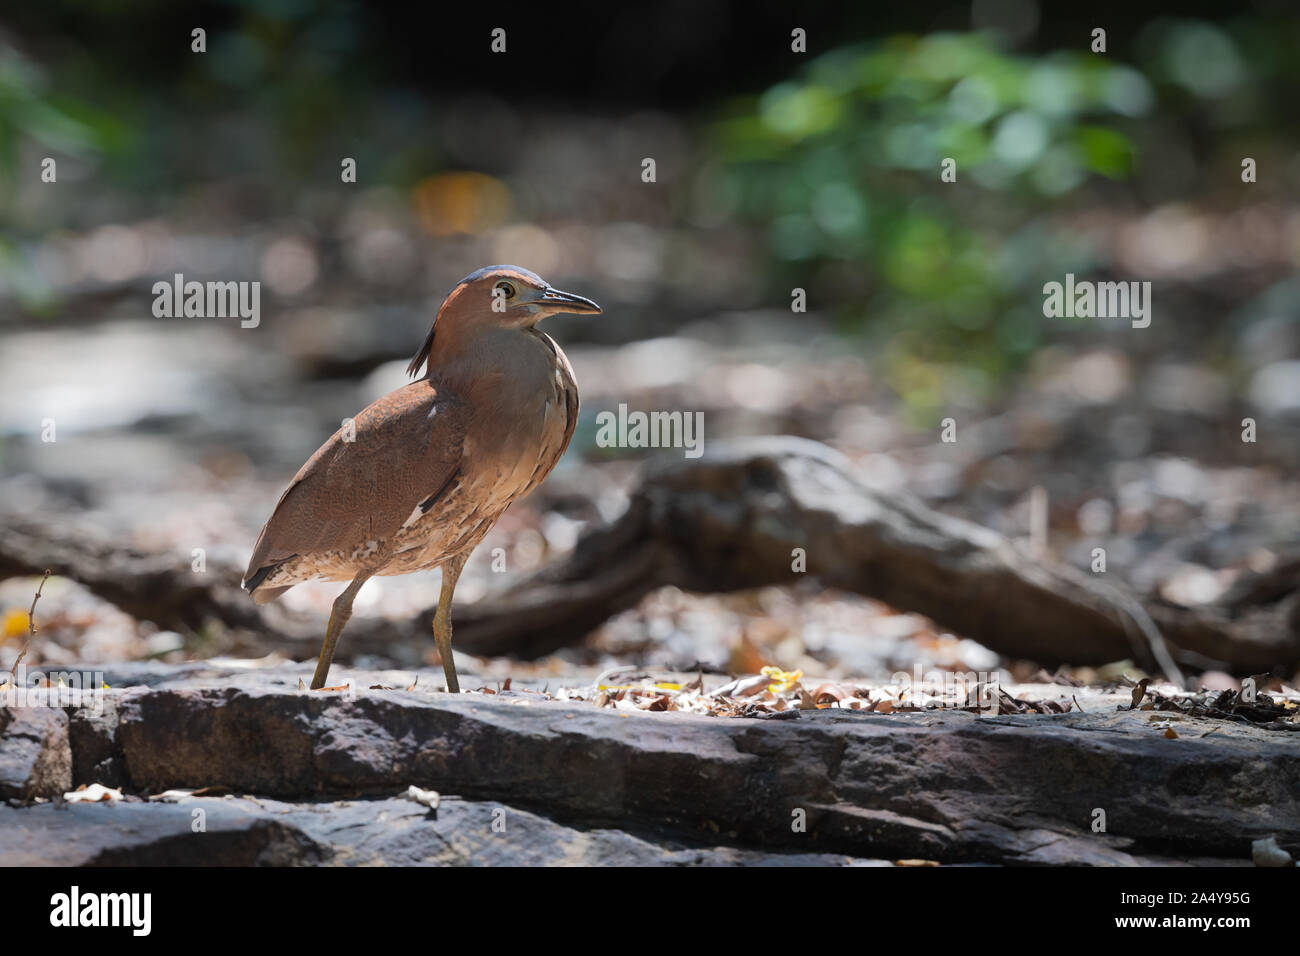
[267, 595]
[260, 595]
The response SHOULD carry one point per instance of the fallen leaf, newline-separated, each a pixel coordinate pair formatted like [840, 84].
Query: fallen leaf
[743, 687]
[95, 793]
[781, 680]
[1266, 852]
[1139, 692]
[745, 658]
[831, 691]
[429, 798]
[14, 623]
[170, 796]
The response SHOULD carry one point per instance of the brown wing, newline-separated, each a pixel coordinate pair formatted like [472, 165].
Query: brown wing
[408, 446]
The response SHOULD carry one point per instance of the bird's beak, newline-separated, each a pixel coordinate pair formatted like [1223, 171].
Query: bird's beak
[553, 300]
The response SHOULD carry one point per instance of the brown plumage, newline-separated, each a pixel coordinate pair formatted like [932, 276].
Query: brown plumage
[435, 463]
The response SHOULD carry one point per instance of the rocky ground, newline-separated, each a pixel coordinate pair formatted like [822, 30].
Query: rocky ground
[223, 762]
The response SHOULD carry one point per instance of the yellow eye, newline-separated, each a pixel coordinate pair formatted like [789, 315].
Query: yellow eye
[507, 288]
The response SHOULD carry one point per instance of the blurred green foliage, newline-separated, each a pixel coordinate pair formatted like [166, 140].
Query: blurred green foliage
[29, 112]
[30, 115]
[841, 167]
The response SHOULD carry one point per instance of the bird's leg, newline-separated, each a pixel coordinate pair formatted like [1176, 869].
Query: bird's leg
[442, 619]
[339, 616]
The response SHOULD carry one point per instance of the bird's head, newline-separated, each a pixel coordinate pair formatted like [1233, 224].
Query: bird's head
[507, 297]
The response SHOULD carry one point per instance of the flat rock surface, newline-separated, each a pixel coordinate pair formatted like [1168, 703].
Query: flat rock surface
[245, 831]
[295, 777]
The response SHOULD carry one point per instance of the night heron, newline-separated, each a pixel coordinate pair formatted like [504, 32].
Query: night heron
[432, 466]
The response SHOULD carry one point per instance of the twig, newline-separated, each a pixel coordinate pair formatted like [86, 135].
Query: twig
[1131, 615]
[31, 627]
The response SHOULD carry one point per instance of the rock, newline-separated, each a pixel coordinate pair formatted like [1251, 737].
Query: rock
[480, 833]
[943, 785]
[325, 777]
[93, 738]
[393, 832]
[149, 834]
[35, 756]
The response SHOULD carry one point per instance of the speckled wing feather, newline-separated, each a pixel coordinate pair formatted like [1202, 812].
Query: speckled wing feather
[568, 389]
[350, 493]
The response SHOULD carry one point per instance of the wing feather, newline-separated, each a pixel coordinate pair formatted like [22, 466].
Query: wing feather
[408, 445]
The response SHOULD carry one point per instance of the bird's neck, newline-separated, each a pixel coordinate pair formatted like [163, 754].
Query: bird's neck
[488, 358]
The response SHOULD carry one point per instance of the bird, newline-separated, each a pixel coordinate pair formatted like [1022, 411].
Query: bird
[423, 473]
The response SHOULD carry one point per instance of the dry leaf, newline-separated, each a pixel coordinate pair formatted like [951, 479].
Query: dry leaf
[1266, 852]
[831, 691]
[95, 793]
[1139, 692]
[743, 687]
[14, 624]
[745, 658]
[429, 798]
[781, 680]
